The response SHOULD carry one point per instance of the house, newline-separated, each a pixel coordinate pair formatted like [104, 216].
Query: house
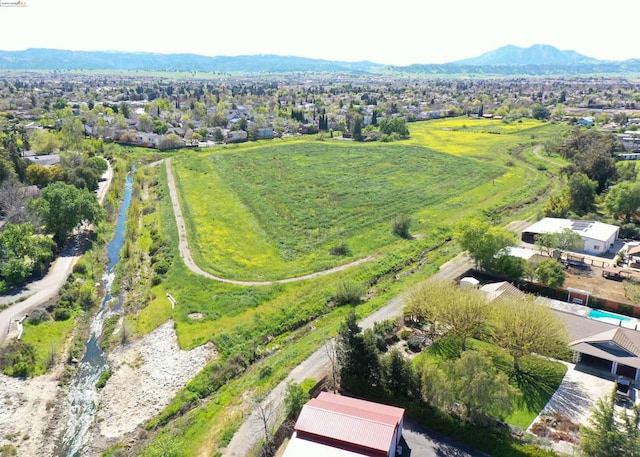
[503, 289]
[598, 237]
[47, 160]
[334, 425]
[633, 257]
[602, 345]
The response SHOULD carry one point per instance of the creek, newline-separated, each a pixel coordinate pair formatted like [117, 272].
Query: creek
[82, 396]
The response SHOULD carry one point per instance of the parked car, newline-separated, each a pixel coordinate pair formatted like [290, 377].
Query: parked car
[623, 389]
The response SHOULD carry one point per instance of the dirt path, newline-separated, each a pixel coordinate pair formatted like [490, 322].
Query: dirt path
[536, 152]
[187, 258]
[39, 292]
[319, 364]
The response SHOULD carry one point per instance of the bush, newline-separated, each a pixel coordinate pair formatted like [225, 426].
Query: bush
[61, 314]
[348, 292]
[80, 268]
[629, 231]
[401, 226]
[265, 371]
[341, 249]
[104, 377]
[38, 315]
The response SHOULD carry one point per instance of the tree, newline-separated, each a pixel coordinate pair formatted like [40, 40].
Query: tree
[627, 171]
[623, 199]
[484, 241]
[581, 193]
[562, 241]
[294, 399]
[171, 141]
[550, 272]
[356, 130]
[38, 175]
[610, 434]
[522, 327]
[480, 388]
[540, 112]
[63, 207]
[459, 312]
[397, 375]
[358, 361]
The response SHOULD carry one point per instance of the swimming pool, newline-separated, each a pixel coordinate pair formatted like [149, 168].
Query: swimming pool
[607, 317]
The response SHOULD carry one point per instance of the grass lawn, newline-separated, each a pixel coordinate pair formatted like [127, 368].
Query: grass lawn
[537, 380]
[49, 339]
[275, 210]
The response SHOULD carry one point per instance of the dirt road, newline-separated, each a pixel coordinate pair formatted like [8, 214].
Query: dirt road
[39, 292]
[187, 258]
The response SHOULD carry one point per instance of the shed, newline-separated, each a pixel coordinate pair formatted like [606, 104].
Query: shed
[336, 425]
[469, 282]
[598, 237]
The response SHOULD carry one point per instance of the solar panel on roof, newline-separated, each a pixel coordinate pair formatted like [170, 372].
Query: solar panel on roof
[580, 225]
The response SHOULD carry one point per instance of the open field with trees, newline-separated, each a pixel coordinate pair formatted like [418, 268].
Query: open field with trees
[304, 201]
[262, 332]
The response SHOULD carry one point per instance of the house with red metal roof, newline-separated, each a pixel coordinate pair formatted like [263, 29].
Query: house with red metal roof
[333, 425]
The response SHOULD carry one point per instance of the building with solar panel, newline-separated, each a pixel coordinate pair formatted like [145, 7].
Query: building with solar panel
[598, 237]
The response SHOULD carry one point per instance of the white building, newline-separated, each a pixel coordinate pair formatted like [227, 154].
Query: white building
[598, 237]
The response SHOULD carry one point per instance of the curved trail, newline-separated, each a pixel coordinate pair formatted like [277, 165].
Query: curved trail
[536, 152]
[187, 258]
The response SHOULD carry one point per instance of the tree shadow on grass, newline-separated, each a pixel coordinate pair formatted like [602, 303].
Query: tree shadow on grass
[446, 348]
[538, 380]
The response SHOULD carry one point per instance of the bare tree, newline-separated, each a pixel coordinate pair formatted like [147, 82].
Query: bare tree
[266, 414]
[13, 202]
[330, 349]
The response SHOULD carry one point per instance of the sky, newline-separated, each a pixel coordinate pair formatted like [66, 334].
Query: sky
[398, 32]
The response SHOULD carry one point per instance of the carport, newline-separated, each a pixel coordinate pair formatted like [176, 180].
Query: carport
[613, 351]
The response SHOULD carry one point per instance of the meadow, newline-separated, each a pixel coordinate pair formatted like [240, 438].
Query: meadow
[277, 210]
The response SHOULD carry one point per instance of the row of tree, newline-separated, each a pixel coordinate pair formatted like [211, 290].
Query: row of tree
[444, 311]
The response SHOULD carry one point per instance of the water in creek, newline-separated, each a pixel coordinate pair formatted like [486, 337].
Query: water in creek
[82, 391]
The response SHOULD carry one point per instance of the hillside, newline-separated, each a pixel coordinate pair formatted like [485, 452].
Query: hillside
[539, 54]
[507, 60]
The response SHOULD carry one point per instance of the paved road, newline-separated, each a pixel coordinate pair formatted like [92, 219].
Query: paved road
[39, 292]
[319, 364]
[187, 258]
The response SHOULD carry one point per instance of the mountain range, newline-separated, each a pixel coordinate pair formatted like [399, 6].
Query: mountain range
[508, 60]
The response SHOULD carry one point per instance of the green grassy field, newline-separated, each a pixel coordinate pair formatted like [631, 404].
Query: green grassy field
[276, 210]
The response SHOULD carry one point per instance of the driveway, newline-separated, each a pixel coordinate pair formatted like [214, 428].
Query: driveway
[575, 397]
[421, 442]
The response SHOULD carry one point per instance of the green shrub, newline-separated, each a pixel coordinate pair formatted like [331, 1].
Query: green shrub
[38, 315]
[80, 268]
[265, 371]
[348, 292]
[61, 314]
[340, 249]
[104, 377]
[401, 226]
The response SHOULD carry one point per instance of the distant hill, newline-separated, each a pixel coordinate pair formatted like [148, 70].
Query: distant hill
[55, 59]
[537, 60]
[539, 54]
